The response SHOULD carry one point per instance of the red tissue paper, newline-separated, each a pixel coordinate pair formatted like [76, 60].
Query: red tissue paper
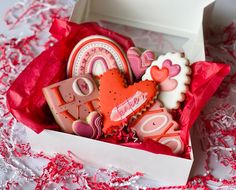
[25, 98]
[26, 101]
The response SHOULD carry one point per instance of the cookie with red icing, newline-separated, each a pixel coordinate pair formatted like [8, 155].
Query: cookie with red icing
[95, 55]
[158, 124]
[172, 72]
[119, 102]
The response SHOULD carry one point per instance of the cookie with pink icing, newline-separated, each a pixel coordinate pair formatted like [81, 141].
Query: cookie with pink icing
[90, 129]
[72, 99]
[172, 72]
[157, 124]
[96, 54]
[139, 61]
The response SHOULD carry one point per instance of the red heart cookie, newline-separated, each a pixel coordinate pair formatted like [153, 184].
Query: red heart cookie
[119, 103]
[159, 75]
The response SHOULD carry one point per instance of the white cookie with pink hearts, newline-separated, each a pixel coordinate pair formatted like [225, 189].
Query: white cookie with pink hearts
[172, 72]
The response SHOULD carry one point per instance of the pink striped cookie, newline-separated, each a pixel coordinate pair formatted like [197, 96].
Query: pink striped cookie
[97, 54]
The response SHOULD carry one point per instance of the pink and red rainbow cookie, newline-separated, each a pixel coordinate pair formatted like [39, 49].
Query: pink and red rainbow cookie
[97, 54]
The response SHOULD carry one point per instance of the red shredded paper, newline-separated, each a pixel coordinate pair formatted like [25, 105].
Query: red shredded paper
[218, 127]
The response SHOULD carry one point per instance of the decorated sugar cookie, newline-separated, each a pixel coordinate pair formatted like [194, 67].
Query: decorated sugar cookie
[157, 124]
[72, 99]
[139, 62]
[172, 72]
[119, 102]
[97, 54]
[90, 129]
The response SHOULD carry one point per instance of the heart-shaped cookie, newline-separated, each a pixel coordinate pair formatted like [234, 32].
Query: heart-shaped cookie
[159, 75]
[90, 129]
[119, 103]
[139, 62]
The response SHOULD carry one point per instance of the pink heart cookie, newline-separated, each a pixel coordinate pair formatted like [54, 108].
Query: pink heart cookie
[91, 129]
[139, 62]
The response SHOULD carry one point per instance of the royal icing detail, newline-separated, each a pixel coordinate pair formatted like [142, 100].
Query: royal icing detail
[157, 124]
[139, 62]
[91, 129]
[71, 100]
[172, 72]
[97, 54]
[124, 109]
[82, 86]
[119, 103]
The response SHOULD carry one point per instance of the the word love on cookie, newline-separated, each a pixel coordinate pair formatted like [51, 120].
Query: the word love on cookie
[172, 72]
[72, 99]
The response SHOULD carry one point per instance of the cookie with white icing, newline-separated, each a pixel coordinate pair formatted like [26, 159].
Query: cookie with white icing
[172, 72]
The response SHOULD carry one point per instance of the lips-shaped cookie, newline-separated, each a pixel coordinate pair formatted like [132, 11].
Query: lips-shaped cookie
[120, 102]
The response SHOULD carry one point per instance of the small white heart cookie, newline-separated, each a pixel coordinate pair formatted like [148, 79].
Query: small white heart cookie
[172, 72]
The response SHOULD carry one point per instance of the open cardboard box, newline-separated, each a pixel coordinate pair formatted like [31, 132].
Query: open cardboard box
[164, 16]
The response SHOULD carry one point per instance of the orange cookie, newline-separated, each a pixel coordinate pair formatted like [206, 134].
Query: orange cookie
[120, 102]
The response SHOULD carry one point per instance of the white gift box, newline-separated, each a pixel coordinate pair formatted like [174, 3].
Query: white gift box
[182, 19]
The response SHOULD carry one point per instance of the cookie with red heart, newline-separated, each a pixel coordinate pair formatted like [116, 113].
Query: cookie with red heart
[172, 72]
[119, 102]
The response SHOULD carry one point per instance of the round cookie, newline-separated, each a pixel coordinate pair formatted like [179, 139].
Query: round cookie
[96, 54]
[172, 72]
